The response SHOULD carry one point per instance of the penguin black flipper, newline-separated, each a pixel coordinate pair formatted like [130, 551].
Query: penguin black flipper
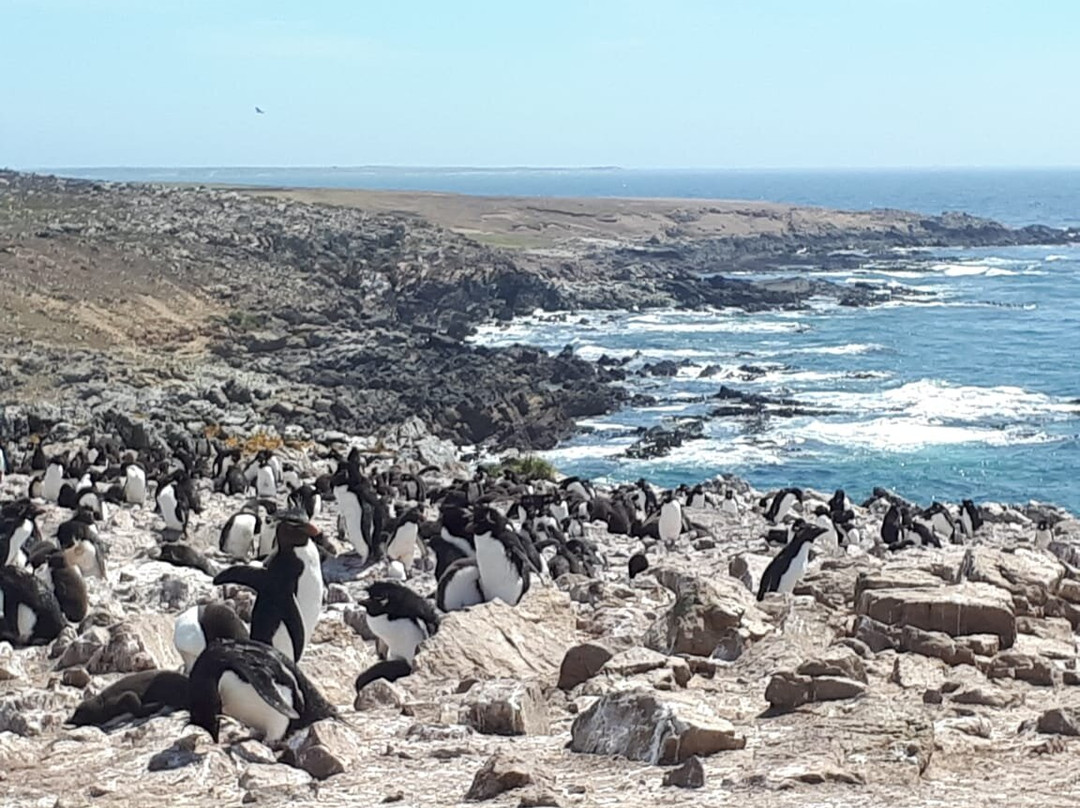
[264, 623]
[244, 575]
[770, 579]
[389, 669]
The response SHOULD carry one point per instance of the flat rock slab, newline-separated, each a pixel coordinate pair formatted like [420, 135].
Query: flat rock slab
[955, 610]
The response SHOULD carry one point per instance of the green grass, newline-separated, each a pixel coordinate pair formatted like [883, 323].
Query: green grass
[526, 467]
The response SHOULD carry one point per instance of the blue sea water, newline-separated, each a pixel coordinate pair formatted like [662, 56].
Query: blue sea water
[971, 391]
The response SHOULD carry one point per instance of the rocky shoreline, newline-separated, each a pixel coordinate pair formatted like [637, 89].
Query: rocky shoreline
[204, 307]
[904, 676]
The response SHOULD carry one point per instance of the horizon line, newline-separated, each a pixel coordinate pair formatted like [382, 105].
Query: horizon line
[506, 168]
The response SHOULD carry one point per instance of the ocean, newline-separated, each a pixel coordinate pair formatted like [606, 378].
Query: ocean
[973, 391]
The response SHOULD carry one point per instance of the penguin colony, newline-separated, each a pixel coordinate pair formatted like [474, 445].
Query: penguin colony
[485, 538]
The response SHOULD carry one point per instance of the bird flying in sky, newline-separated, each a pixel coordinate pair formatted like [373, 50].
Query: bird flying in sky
[259, 111]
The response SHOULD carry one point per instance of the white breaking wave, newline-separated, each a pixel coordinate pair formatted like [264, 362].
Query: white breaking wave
[911, 434]
[936, 399]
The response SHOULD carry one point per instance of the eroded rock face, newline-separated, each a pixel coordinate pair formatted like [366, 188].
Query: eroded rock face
[955, 610]
[502, 773]
[639, 726]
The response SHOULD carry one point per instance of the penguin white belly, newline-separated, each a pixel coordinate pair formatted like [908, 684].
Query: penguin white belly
[84, 555]
[50, 486]
[25, 620]
[188, 637]
[316, 506]
[266, 538]
[241, 701]
[670, 526]
[167, 501]
[790, 577]
[787, 502]
[463, 590]
[729, 507]
[499, 578]
[18, 539]
[1042, 539]
[241, 536]
[697, 501]
[353, 514]
[309, 588]
[403, 546]
[283, 642]
[402, 635]
[829, 542]
[135, 486]
[265, 484]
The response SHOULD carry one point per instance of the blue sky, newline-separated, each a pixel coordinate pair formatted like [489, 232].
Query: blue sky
[679, 83]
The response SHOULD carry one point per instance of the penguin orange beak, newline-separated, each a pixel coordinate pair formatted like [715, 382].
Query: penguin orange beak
[311, 530]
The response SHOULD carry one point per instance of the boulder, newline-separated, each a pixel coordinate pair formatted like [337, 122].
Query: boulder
[493, 640]
[506, 707]
[787, 690]
[1032, 577]
[322, 750]
[836, 661]
[705, 615]
[690, 774]
[502, 773]
[1059, 721]
[581, 663]
[1029, 668]
[635, 724]
[969, 608]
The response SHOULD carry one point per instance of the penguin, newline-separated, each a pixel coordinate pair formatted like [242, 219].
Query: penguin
[17, 526]
[920, 532]
[729, 505]
[290, 477]
[839, 504]
[404, 538]
[5, 468]
[500, 559]
[173, 507]
[941, 521]
[265, 481]
[1044, 534]
[782, 503]
[360, 510]
[892, 526]
[234, 483]
[671, 520]
[238, 535]
[200, 625]
[183, 555]
[970, 518]
[29, 612]
[78, 538]
[91, 500]
[697, 498]
[67, 584]
[400, 618]
[53, 480]
[134, 484]
[457, 531]
[829, 541]
[638, 564]
[225, 460]
[308, 499]
[785, 570]
[266, 536]
[139, 695]
[256, 685]
[459, 586]
[289, 587]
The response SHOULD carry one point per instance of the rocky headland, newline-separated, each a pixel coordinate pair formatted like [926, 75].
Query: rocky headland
[347, 310]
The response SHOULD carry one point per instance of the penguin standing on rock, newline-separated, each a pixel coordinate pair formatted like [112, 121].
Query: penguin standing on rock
[134, 484]
[400, 618]
[1044, 534]
[289, 587]
[78, 538]
[404, 538]
[238, 535]
[53, 480]
[459, 586]
[173, 507]
[200, 625]
[785, 571]
[729, 505]
[782, 503]
[307, 499]
[258, 686]
[970, 518]
[66, 581]
[671, 520]
[17, 527]
[29, 612]
[504, 568]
